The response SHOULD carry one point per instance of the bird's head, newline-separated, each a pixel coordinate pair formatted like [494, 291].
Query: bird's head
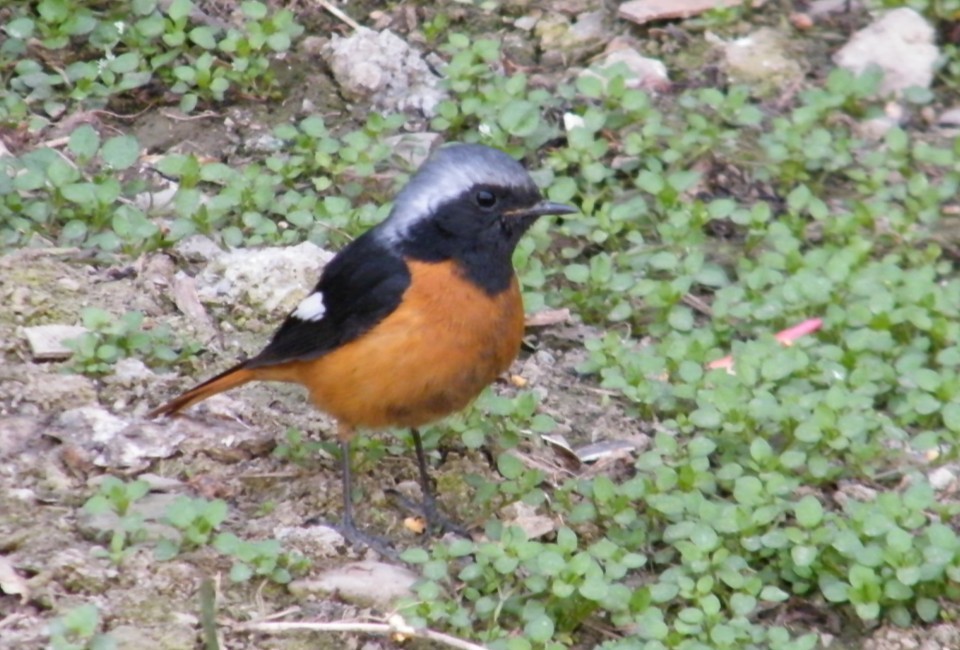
[466, 201]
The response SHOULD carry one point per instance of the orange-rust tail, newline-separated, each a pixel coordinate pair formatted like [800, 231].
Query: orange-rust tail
[236, 376]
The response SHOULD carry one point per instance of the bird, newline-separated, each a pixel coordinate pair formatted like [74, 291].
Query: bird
[410, 321]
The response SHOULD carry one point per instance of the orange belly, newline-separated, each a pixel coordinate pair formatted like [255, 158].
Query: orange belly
[429, 358]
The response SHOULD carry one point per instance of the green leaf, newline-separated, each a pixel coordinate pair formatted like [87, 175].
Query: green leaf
[577, 273]
[773, 594]
[180, 9]
[84, 141]
[84, 194]
[834, 590]
[928, 609]
[240, 572]
[124, 63]
[594, 588]
[706, 417]
[166, 550]
[663, 592]
[681, 318]
[415, 556]
[742, 604]
[509, 466]
[748, 490]
[254, 10]
[603, 489]
[518, 643]
[760, 450]
[551, 563]
[279, 42]
[809, 511]
[951, 416]
[120, 152]
[539, 629]
[20, 28]
[590, 85]
[803, 556]
[203, 36]
[519, 117]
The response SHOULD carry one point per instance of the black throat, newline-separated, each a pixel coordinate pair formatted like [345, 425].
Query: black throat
[485, 258]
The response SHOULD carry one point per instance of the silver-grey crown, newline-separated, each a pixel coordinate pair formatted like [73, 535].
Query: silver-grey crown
[448, 173]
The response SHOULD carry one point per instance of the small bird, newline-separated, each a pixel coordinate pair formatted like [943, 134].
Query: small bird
[410, 321]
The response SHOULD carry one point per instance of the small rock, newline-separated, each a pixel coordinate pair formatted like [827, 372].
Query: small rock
[69, 284]
[526, 23]
[901, 43]
[365, 583]
[545, 358]
[159, 197]
[197, 248]
[312, 45]
[642, 72]
[272, 279]
[941, 478]
[318, 541]
[131, 371]
[588, 29]
[949, 120]
[100, 424]
[801, 21]
[645, 11]
[825, 7]
[876, 128]
[109, 441]
[414, 148]
[12, 582]
[562, 40]
[762, 59]
[185, 297]
[264, 143]
[17, 434]
[526, 517]
[380, 67]
[159, 483]
[46, 341]
[572, 121]
[31, 384]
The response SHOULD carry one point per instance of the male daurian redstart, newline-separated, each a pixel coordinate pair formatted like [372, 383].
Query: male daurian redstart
[410, 321]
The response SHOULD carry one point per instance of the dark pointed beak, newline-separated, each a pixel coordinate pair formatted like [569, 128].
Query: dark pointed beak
[544, 208]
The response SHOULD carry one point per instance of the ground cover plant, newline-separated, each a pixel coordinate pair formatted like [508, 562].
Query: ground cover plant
[809, 494]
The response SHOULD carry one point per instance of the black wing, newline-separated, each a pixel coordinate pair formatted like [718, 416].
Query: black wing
[361, 286]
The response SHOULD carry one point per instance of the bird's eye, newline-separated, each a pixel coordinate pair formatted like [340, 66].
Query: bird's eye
[486, 199]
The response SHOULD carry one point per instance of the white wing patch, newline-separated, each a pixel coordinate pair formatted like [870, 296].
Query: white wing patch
[311, 308]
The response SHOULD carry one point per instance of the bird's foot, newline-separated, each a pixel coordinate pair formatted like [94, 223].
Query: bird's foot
[357, 538]
[437, 522]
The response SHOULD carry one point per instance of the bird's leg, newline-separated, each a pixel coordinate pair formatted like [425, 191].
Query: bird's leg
[428, 507]
[346, 481]
[348, 527]
[429, 500]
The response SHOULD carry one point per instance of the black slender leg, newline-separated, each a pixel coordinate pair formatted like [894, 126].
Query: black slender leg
[348, 527]
[428, 507]
[346, 480]
[429, 501]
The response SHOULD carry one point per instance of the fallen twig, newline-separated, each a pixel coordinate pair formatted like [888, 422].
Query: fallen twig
[396, 628]
[339, 14]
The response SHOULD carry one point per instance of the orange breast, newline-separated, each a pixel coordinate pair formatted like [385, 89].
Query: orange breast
[431, 357]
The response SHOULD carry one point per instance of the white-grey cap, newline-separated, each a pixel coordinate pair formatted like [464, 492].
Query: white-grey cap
[447, 174]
